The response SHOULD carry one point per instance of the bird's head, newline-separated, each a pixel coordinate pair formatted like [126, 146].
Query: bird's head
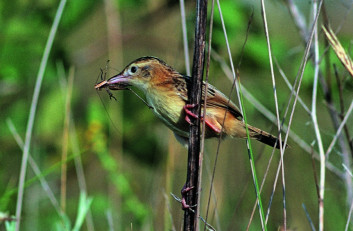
[143, 73]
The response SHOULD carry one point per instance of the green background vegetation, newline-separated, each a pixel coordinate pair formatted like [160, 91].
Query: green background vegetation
[131, 161]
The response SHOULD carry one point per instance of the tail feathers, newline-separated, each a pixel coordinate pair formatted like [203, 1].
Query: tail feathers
[264, 137]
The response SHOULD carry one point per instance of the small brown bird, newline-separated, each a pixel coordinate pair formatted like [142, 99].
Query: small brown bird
[166, 92]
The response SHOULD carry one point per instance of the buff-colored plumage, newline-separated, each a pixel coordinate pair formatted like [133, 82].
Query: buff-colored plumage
[166, 92]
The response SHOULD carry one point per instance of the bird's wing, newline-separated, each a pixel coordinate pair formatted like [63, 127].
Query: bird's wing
[215, 98]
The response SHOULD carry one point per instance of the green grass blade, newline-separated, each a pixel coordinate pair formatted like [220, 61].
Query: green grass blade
[252, 163]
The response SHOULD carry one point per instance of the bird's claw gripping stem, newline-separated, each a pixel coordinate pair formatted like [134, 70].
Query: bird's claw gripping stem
[184, 190]
[207, 122]
[189, 113]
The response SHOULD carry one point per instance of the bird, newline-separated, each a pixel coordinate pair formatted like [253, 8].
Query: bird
[166, 92]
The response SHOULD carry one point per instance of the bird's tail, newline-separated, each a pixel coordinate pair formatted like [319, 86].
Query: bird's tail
[263, 137]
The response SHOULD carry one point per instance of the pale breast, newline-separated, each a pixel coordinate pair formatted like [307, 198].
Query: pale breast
[168, 106]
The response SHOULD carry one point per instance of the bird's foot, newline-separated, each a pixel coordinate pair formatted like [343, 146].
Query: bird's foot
[189, 113]
[184, 190]
[207, 122]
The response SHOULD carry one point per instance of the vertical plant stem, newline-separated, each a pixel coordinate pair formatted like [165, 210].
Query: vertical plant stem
[190, 218]
[263, 10]
[252, 165]
[33, 109]
[316, 126]
[185, 38]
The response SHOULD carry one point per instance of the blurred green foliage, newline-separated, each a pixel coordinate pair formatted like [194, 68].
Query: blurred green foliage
[131, 204]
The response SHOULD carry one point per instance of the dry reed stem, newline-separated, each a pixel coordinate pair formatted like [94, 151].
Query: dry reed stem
[264, 18]
[185, 38]
[191, 221]
[316, 11]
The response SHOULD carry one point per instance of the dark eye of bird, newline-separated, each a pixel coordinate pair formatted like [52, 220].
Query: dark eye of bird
[133, 69]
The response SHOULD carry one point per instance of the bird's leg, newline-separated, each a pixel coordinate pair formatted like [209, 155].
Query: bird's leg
[207, 122]
[184, 190]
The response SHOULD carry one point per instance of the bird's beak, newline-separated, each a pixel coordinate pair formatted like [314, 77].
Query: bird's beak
[117, 82]
[118, 79]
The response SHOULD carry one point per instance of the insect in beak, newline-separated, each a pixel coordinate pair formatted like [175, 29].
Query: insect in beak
[101, 85]
[104, 84]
